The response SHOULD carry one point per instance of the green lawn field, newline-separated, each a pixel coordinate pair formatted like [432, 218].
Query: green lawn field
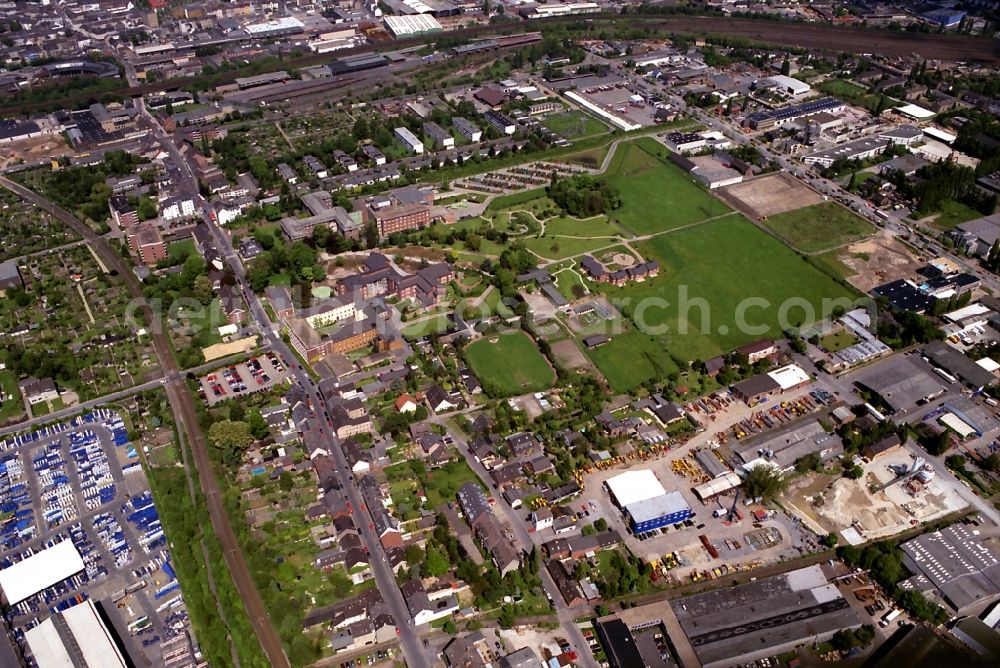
[573, 124]
[724, 262]
[656, 195]
[510, 362]
[953, 213]
[819, 227]
[437, 324]
[632, 358]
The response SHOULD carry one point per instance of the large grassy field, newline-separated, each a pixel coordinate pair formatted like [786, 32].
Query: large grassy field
[819, 227]
[632, 358]
[510, 362]
[724, 263]
[573, 124]
[953, 213]
[656, 195]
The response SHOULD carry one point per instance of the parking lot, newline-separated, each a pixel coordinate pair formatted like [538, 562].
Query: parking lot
[254, 375]
[82, 481]
[521, 177]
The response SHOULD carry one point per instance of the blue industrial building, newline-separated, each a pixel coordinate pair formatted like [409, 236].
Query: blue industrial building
[657, 512]
[948, 18]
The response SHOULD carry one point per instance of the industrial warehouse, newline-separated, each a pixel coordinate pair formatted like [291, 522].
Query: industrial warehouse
[763, 618]
[646, 505]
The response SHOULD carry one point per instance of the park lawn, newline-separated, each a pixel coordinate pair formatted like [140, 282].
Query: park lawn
[593, 158]
[632, 358]
[656, 195]
[566, 280]
[837, 341]
[511, 363]
[725, 262]
[819, 227]
[953, 213]
[179, 251]
[434, 325]
[597, 226]
[557, 248]
[12, 408]
[573, 124]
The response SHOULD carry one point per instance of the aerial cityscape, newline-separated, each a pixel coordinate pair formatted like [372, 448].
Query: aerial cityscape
[499, 334]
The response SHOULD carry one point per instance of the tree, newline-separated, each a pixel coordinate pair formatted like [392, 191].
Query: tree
[786, 67]
[830, 540]
[506, 618]
[285, 481]
[436, 563]
[601, 524]
[231, 438]
[146, 209]
[992, 463]
[257, 424]
[202, 290]
[955, 463]
[764, 482]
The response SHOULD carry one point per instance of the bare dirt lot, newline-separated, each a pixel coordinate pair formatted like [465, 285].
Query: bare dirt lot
[770, 195]
[878, 260]
[568, 354]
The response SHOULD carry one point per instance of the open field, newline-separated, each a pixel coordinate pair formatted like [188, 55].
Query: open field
[819, 227]
[416, 330]
[439, 486]
[770, 195]
[573, 124]
[721, 265]
[632, 358]
[511, 363]
[656, 195]
[952, 213]
[837, 341]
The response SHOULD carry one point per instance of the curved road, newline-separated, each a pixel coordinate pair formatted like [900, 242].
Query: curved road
[186, 416]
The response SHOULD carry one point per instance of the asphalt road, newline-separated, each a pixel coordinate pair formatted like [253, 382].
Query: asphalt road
[565, 614]
[412, 646]
[186, 417]
[70, 411]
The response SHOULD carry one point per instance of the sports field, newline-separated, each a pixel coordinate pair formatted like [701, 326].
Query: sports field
[721, 264]
[656, 195]
[632, 358]
[511, 363]
[574, 124]
[819, 227]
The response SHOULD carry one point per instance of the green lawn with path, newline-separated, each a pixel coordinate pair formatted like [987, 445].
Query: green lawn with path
[819, 227]
[656, 195]
[511, 363]
[724, 262]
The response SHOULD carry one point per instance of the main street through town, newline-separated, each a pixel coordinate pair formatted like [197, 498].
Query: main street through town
[409, 639]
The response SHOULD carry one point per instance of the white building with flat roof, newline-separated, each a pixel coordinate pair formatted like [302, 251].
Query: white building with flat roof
[80, 638]
[790, 87]
[409, 140]
[634, 486]
[40, 571]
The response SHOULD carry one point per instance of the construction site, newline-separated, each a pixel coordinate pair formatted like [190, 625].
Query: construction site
[897, 490]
